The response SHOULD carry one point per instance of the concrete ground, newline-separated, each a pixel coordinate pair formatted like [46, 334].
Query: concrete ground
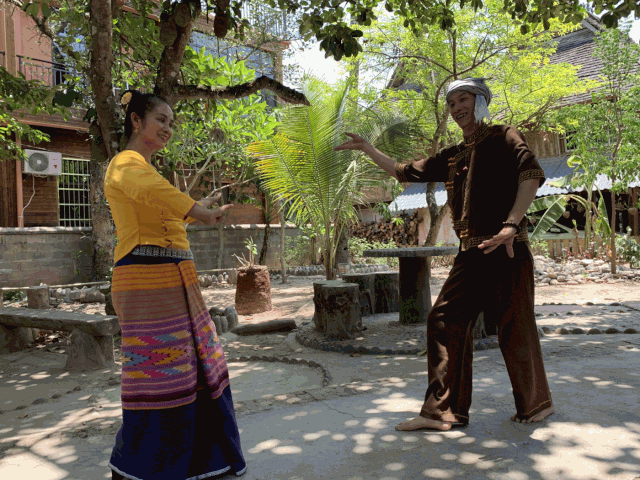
[56, 426]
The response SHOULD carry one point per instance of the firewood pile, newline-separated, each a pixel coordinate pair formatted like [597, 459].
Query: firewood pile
[386, 231]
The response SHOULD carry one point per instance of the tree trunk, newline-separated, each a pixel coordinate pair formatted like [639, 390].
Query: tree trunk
[613, 227]
[103, 230]
[436, 215]
[262, 258]
[283, 236]
[342, 250]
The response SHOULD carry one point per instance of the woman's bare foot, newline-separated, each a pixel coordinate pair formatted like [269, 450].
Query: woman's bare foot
[536, 418]
[420, 423]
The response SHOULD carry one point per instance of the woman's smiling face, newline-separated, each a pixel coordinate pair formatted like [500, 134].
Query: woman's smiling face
[157, 127]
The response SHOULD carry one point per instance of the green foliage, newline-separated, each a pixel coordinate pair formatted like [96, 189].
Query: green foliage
[17, 97]
[522, 95]
[606, 132]
[302, 249]
[14, 296]
[358, 245]
[628, 248]
[338, 26]
[540, 247]
[229, 125]
[553, 207]
[318, 185]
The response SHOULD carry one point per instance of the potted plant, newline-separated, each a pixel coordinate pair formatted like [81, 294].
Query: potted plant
[253, 290]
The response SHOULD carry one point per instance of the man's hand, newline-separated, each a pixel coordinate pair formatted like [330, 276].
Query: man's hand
[506, 237]
[356, 143]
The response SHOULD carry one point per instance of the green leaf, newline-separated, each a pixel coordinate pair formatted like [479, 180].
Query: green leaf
[554, 206]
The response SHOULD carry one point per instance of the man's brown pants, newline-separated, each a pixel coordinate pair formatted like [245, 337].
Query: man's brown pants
[502, 288]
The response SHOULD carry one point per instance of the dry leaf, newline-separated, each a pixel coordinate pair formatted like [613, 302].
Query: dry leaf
[422, 353]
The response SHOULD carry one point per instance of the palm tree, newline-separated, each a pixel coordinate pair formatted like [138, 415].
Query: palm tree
[318, 185]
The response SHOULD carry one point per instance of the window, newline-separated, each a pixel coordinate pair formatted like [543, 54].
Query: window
[74, 203]
[567, 143]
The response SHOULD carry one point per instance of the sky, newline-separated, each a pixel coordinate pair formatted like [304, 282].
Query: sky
[313, 61]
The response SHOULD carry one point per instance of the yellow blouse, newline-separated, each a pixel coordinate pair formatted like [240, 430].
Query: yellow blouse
[146, 208]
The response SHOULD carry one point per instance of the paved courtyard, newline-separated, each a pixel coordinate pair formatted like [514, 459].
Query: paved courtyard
[55, 425]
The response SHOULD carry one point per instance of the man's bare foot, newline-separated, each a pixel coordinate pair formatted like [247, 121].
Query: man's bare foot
[420, 423]
[536, 418]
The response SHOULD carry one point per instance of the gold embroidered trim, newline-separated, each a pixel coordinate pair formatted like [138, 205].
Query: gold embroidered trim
[460, 224]
[471, 242]
[478, 135]
[400, 169]
[530, 174]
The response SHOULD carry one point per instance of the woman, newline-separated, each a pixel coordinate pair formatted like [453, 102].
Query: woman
[178, 416]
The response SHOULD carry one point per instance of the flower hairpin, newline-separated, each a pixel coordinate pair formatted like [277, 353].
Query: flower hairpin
[126, 98]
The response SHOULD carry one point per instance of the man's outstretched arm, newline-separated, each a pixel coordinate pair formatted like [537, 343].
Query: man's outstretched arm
[385, 162]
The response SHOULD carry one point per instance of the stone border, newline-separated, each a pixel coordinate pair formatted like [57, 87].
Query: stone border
[326, 376]
[591, 331]
[304, 397]
[345, 346]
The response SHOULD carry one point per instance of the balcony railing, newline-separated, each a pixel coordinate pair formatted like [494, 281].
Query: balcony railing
[272, 21]
[49, 73]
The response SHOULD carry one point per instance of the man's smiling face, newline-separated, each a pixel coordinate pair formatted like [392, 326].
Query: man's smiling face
[462, 106]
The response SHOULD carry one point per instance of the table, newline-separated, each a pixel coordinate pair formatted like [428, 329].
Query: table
[415, 272]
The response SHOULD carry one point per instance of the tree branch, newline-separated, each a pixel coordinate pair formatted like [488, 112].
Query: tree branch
[172, 56]
[182, 92]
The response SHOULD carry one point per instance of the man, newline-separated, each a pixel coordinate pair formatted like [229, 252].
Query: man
[491, 179]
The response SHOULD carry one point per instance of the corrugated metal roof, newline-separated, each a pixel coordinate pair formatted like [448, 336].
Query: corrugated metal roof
[555, 168]
[414, 196]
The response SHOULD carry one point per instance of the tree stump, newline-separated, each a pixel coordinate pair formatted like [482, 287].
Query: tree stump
[38, 298]
[367, 288]
[386, 292]
[337, 308]
[253, 292]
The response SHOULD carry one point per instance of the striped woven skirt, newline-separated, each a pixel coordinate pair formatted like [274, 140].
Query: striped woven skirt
[178, 417]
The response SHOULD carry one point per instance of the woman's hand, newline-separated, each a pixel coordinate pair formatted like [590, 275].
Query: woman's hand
[217, 215]
[506, 237]
[356, 143]
[209, 201]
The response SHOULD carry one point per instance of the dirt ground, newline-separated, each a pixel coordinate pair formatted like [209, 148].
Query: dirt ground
[294, 300]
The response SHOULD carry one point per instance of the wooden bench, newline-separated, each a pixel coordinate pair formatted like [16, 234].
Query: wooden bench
[91, 335]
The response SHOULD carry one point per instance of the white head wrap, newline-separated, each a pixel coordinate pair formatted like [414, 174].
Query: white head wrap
[477, 87]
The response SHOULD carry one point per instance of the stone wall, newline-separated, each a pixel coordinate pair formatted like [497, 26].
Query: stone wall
[205, 244]
[60, 256]
[52, 255]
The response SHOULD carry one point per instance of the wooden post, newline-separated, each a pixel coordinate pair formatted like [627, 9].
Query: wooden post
[415, 293]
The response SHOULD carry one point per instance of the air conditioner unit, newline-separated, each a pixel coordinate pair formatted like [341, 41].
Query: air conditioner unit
[42, 163]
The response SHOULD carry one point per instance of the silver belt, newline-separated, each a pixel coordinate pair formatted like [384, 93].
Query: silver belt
[155, 251]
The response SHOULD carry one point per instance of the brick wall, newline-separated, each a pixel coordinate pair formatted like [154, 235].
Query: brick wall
[59, 256]
[54, 256]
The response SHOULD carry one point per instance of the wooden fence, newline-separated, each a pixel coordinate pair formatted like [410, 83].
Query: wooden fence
[569, 245]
